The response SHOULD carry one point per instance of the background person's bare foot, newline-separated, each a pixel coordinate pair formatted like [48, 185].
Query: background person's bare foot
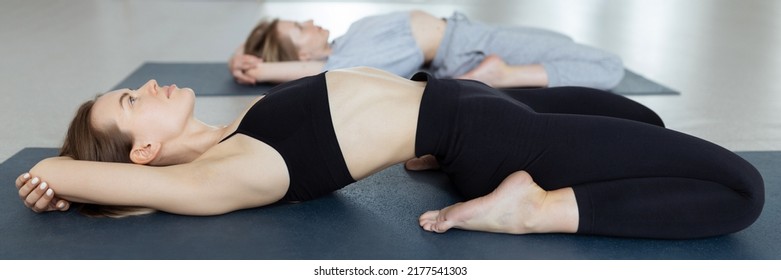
[490, 71]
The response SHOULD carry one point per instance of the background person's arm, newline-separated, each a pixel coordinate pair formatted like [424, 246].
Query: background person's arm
[239, 63]
[280, 72]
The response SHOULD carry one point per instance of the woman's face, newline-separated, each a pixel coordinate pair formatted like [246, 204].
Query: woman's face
[150, 113]
[310, 40]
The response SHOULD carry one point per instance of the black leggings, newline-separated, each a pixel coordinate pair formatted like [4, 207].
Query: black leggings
[584, 101]
[630, 178]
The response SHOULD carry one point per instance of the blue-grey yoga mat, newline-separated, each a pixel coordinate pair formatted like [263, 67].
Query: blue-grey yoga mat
[635, 84]
[373, 219]
[206, 79]
[214, 79]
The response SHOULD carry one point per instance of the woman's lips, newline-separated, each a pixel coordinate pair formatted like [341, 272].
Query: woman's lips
[169, 90]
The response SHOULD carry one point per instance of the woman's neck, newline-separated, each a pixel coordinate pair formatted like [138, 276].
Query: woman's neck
[198, 138]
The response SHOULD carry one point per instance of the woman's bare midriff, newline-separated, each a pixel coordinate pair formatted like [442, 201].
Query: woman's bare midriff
[375, 116]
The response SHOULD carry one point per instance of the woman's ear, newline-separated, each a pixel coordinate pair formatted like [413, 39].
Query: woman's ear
[144, 153]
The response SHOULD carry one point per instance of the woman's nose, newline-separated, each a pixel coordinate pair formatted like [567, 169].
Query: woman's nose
[150, 86]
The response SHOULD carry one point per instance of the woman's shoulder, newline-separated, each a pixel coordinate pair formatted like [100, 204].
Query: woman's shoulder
[240, 148]
[245, 161]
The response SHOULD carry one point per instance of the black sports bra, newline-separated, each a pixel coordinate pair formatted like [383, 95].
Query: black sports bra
[294, 118]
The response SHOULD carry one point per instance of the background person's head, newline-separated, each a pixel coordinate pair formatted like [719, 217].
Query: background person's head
[283, 40]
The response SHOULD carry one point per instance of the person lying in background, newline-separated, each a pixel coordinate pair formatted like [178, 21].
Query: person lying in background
[405, 42]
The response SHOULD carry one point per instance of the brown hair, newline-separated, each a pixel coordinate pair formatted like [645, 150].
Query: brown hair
[266, 42]
[85, 142]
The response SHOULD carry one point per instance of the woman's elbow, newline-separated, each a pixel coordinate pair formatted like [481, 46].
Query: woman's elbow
[53, 170]
[43, 166]
[198, 209]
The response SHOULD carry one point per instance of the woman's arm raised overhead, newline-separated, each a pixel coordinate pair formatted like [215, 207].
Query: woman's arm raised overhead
[210, 186]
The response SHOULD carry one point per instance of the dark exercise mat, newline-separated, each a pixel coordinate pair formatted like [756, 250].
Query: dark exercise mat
[213, 79]
[372, 219]
[206, 79]
[635, 84]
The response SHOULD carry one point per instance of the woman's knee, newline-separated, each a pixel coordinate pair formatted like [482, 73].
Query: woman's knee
[752, 191]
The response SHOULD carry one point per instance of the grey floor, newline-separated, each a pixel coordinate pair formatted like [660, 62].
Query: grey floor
[724, 56]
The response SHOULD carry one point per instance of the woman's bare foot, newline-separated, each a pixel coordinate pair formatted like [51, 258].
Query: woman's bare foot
[490, 71]
[426, 162]
[517, 206]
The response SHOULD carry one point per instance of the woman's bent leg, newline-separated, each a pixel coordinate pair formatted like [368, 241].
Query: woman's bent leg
[629, 178]
[584, 101]
[632, 179]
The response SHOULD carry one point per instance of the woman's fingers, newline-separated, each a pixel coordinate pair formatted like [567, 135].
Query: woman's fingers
[43, 202]
[21, 180]
[38, 196]
[28, 187]
[36, 191]
[249, 62]
[243, 78]
[60, 204]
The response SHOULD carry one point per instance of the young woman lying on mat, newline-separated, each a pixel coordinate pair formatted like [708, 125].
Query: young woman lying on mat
[520, 171]
[405, 42]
